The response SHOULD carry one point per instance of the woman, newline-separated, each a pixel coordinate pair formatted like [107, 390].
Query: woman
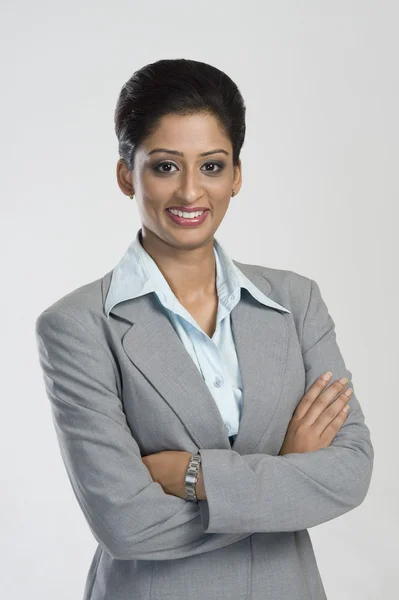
[198, 432]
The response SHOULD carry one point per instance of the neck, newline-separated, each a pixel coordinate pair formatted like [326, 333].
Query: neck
[190, 272]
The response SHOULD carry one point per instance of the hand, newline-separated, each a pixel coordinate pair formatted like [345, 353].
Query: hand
[314, 423]
[168, 468]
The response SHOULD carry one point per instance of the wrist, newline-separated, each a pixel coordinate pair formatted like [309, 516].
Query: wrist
[191, 477]
[199, 486]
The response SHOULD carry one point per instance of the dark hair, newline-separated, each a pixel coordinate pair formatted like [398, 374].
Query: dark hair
[179, 86]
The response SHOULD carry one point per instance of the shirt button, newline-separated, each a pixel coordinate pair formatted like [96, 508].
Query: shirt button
[218, 381]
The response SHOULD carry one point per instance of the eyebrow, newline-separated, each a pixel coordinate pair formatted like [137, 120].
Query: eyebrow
[182, 154]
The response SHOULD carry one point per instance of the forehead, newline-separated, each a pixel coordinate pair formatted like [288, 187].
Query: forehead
[182, 132]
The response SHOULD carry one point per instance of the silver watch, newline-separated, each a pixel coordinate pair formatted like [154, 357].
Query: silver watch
[191, 477]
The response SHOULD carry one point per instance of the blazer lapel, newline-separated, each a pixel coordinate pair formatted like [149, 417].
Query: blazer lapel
[261, 338]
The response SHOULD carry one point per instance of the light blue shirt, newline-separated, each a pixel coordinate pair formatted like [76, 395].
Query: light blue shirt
[137, 274]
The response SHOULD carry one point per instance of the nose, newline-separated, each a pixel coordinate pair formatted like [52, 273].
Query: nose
[190, 189]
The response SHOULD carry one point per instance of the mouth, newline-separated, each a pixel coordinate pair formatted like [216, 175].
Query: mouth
[198, 219]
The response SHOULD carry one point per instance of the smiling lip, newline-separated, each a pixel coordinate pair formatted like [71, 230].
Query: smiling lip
[185, 209]
[188, 222]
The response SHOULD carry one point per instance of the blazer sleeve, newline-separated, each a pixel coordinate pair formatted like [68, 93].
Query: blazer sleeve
[129, 514]
[265, 493]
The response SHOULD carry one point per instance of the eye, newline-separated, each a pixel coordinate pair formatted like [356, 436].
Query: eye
[213, 163]
[162, 164]
[158, 167]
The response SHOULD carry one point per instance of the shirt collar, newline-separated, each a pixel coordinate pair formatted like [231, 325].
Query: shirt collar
[137, 274]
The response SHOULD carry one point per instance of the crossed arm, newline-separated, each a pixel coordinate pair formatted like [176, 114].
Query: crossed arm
[169, 468]
[131, 515]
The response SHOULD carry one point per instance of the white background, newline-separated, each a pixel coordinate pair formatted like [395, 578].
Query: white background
[320, 81]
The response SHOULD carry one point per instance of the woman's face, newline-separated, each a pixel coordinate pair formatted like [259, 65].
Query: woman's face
[179, 176]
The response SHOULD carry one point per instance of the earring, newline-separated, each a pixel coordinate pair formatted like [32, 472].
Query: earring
[131, 196]
[232, 193]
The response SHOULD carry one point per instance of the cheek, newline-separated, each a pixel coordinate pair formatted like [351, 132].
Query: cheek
[151, 184]
[157, 191]
[150, 207]
[220, 189]
[152, 193]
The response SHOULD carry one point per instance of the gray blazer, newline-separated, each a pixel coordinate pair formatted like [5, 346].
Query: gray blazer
[126, 387]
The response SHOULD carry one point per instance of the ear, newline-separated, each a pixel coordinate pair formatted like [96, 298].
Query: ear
[237, 178]
[124, 177]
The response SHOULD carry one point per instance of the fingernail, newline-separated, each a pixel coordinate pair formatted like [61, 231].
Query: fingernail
[343, 380]
[327, 375]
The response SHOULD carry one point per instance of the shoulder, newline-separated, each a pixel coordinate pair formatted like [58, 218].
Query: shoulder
[298, 293]
[84, 303]
[289, 288]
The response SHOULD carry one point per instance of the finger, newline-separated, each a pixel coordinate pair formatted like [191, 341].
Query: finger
[313, 392]
[325, 399]
[332, 411]
[332, 429]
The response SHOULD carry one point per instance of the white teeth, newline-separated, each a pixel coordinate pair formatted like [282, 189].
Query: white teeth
[186, 215]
